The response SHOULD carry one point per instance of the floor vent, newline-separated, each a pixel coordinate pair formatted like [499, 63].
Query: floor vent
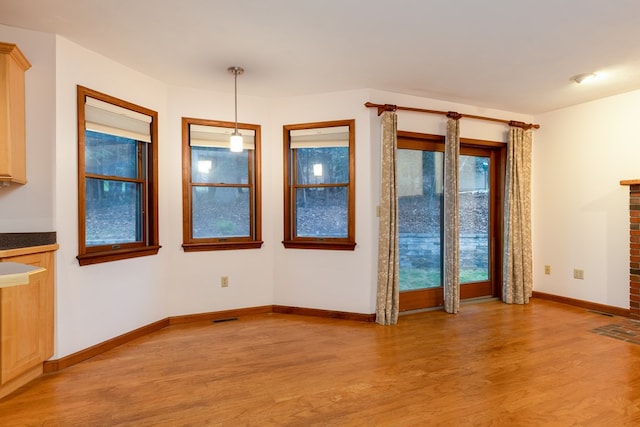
[227, 319]
[602, 313]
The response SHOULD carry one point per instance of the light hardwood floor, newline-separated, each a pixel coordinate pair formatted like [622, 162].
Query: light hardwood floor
[491, 365]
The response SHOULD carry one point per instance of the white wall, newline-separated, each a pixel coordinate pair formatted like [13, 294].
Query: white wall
[30, 207]
[333, 280]
[346, 281]
[194, 277]
[98, 302]
[581, 213]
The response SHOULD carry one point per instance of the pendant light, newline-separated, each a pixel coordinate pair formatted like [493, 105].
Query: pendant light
[235, 142]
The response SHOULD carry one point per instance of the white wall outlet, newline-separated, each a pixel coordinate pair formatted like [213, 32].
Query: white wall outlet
[578, 273]
[224, 281]
[547, 269]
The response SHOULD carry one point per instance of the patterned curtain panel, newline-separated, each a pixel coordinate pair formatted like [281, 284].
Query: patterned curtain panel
[388, 265]
[518, 271]
[451, 218]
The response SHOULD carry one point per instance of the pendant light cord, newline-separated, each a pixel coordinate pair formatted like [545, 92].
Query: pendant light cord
[235, 79]
[235, 71]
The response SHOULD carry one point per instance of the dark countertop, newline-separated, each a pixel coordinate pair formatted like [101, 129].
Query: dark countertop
[24, 240]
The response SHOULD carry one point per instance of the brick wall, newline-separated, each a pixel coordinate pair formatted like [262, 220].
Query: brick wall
[634, 253]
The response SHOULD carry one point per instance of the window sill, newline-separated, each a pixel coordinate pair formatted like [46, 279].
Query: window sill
[115, 255]
[221, 246]
[321, 244]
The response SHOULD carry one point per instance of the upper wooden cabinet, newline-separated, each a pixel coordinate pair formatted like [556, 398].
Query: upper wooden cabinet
[13, 64]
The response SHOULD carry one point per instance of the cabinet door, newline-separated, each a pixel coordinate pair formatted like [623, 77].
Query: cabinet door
[13, 64]
[26, 320]
[20, 328]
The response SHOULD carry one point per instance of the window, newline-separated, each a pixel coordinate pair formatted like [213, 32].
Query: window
[319, 192]
[221, 189]
[117, 179]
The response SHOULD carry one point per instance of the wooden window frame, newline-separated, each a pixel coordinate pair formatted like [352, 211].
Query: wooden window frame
[254, 240]
[291, 241]
[148, 176]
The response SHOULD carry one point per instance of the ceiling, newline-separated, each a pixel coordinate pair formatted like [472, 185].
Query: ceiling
[515, 55]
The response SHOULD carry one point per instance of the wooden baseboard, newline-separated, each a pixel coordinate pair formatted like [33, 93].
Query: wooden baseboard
[88, 353]
[220, 315]
[72, 359]
[344, 315]
[609, 309]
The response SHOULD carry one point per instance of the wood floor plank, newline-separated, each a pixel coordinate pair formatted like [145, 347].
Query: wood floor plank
[492, 364]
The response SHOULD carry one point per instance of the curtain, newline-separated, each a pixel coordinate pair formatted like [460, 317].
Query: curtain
[518, 272]
[451, 217]
[388, 292]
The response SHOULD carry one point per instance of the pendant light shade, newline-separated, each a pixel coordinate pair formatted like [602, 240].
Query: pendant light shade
[235, 142]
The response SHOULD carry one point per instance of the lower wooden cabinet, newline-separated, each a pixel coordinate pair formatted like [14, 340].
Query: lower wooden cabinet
[26, 319]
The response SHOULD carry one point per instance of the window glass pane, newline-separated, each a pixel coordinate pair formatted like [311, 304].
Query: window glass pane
[110, 155]
[420, 204]
[113, 212]
[220, 212]
[219, 166]
[420, 198]
[321, 212]
[322, 165]
[474, 219]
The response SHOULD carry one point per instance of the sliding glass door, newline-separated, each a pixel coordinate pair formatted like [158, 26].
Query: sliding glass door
[421, 220]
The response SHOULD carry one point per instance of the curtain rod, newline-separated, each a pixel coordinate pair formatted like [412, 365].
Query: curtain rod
[452, 114]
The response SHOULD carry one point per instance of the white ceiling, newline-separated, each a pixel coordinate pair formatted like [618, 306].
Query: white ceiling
[516, 55]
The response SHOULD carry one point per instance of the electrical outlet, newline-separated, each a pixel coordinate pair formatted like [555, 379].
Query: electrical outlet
[578, 273]
[224, 281]
[547, 269]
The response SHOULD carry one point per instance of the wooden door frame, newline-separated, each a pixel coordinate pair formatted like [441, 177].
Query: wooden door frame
[434, 297]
